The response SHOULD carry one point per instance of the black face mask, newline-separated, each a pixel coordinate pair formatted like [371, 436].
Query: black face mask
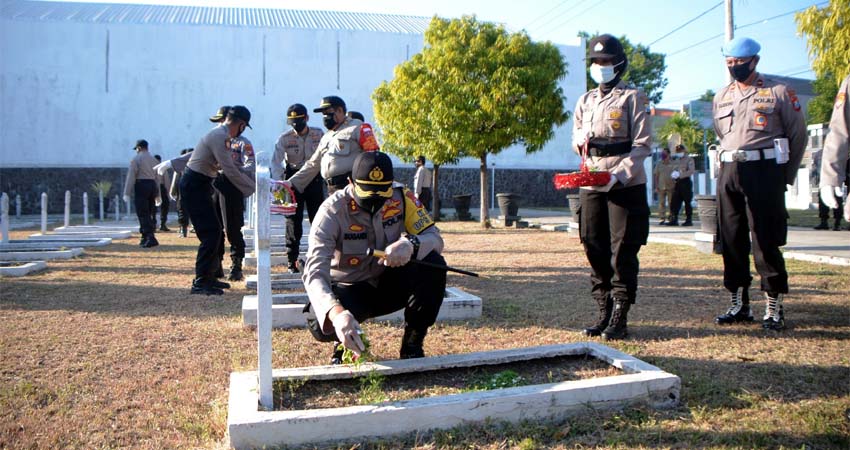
[740, 72]
[329, 121]
[371, 204]
[299, 125]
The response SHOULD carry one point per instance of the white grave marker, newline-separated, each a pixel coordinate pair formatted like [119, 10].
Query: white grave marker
[262, 248]
[85, 208]
[67, 208]
[4, 218]
[43, 212]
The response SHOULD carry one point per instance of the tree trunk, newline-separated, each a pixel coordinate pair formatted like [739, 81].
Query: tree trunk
[485, 210]
[435, 193]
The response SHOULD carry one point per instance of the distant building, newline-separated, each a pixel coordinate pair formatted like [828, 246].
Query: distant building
[82, 81]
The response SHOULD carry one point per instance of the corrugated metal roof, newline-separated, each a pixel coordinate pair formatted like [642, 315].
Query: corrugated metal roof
[110, 13]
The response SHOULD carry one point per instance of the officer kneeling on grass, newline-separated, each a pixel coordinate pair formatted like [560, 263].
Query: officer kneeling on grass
[347, 285]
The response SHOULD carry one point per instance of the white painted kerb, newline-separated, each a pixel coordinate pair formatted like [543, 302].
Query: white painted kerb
[248, 427]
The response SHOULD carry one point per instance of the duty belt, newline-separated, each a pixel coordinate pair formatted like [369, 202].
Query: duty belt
[619, 148]
[338, 181]
[747, 155]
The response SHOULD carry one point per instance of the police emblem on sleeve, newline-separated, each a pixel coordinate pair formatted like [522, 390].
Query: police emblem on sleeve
[416, 217]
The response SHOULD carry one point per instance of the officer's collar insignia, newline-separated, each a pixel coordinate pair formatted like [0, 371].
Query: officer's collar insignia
[760, 82]
[598, 47]
[352, 205]
[376, 174]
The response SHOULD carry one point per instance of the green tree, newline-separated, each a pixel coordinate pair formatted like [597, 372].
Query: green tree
[690, 133]
[827, 32]
[708, 96]
[646, 69]
[474, 90]
[819, 109]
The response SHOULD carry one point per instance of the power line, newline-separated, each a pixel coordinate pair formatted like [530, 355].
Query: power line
[686, 23]
[573, 17]
[561, 14]
[757, 22]
[557, 5]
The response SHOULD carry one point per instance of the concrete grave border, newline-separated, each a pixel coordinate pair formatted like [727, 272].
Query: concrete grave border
[22, 270]
[286, 309]
[249, 427]
[278, 281]
[70, 236]
[18, 244]
[39, 255]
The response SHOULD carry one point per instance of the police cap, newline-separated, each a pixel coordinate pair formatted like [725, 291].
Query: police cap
[330, 102]
[606, 46]
[741, 47]
[141, 143]
[373, 172]
[296, 111]
[242, 113]
[220, 114]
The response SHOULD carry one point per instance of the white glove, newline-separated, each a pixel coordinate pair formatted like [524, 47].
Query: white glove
[172, 197]
[158, 201]
[162, 168]
[126, 199]
[348, 332]
[674, 174]
[828, 197]
[398, 253]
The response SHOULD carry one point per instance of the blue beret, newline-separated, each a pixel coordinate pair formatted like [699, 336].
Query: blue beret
[741, 47]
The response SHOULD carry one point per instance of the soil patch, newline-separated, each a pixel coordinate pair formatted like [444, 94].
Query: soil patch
[375, 389]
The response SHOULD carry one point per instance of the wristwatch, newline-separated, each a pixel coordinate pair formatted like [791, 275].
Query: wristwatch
[415, 241]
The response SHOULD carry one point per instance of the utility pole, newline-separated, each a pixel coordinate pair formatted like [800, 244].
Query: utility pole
[730, 31]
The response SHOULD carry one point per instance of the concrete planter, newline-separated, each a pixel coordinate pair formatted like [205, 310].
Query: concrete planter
[249, 427]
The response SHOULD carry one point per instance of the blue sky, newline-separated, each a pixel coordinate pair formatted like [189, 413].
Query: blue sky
[691, 69]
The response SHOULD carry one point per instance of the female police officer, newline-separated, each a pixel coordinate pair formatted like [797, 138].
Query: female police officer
[613, 219]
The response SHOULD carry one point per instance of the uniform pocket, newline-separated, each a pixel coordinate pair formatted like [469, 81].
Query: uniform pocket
[762, 119]
[723, 119]
[353, 252]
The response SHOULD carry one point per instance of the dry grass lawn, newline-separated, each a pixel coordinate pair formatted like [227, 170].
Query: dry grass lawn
[109, 351]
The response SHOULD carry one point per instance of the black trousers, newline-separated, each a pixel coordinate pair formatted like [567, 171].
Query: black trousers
[417, 289]
[751, 204]
[823, 210]
[311, 198]
[425, 198]
[613, 226]
[230, 205]
[165, 206]
[144, 198]
[683, 192]
[197, 199]
[182, 217]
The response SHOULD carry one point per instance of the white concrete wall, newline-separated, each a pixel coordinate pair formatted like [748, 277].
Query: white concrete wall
[67, 104]
[164, 81]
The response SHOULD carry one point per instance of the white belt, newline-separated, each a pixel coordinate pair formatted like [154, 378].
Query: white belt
[746, 155]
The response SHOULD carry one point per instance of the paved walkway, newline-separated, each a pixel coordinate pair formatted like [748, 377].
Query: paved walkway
[805, 244]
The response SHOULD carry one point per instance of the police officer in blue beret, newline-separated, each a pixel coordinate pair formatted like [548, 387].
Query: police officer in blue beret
[762, 135]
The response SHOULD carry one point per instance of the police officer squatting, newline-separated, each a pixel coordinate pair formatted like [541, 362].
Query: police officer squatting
[358, 265]
[762, 134]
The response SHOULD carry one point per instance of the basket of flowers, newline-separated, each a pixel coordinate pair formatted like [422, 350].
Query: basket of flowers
[283, 199]
[585, 176]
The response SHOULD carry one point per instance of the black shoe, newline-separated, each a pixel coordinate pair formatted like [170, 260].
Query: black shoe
[183, 232]
[336, 357]
[143, 241]
[823, 225]
[739, 311]
[618, 328]
[774, 314]
[152, 242]
[164, 228]
[235, 274]
[411, 343]
[662, 222]
[219, 273]
[606, 305]
[837, 225]
[220, 284]
[293, 268]
[687, 223]
[206, 290]
[672, 223]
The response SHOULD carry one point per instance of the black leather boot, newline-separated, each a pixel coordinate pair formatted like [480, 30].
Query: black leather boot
[617, 329]
[774, 314]
[837, 224]
[824, 225]
[236, 270]
[739, 311]
[411, 343]
[606, 305]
